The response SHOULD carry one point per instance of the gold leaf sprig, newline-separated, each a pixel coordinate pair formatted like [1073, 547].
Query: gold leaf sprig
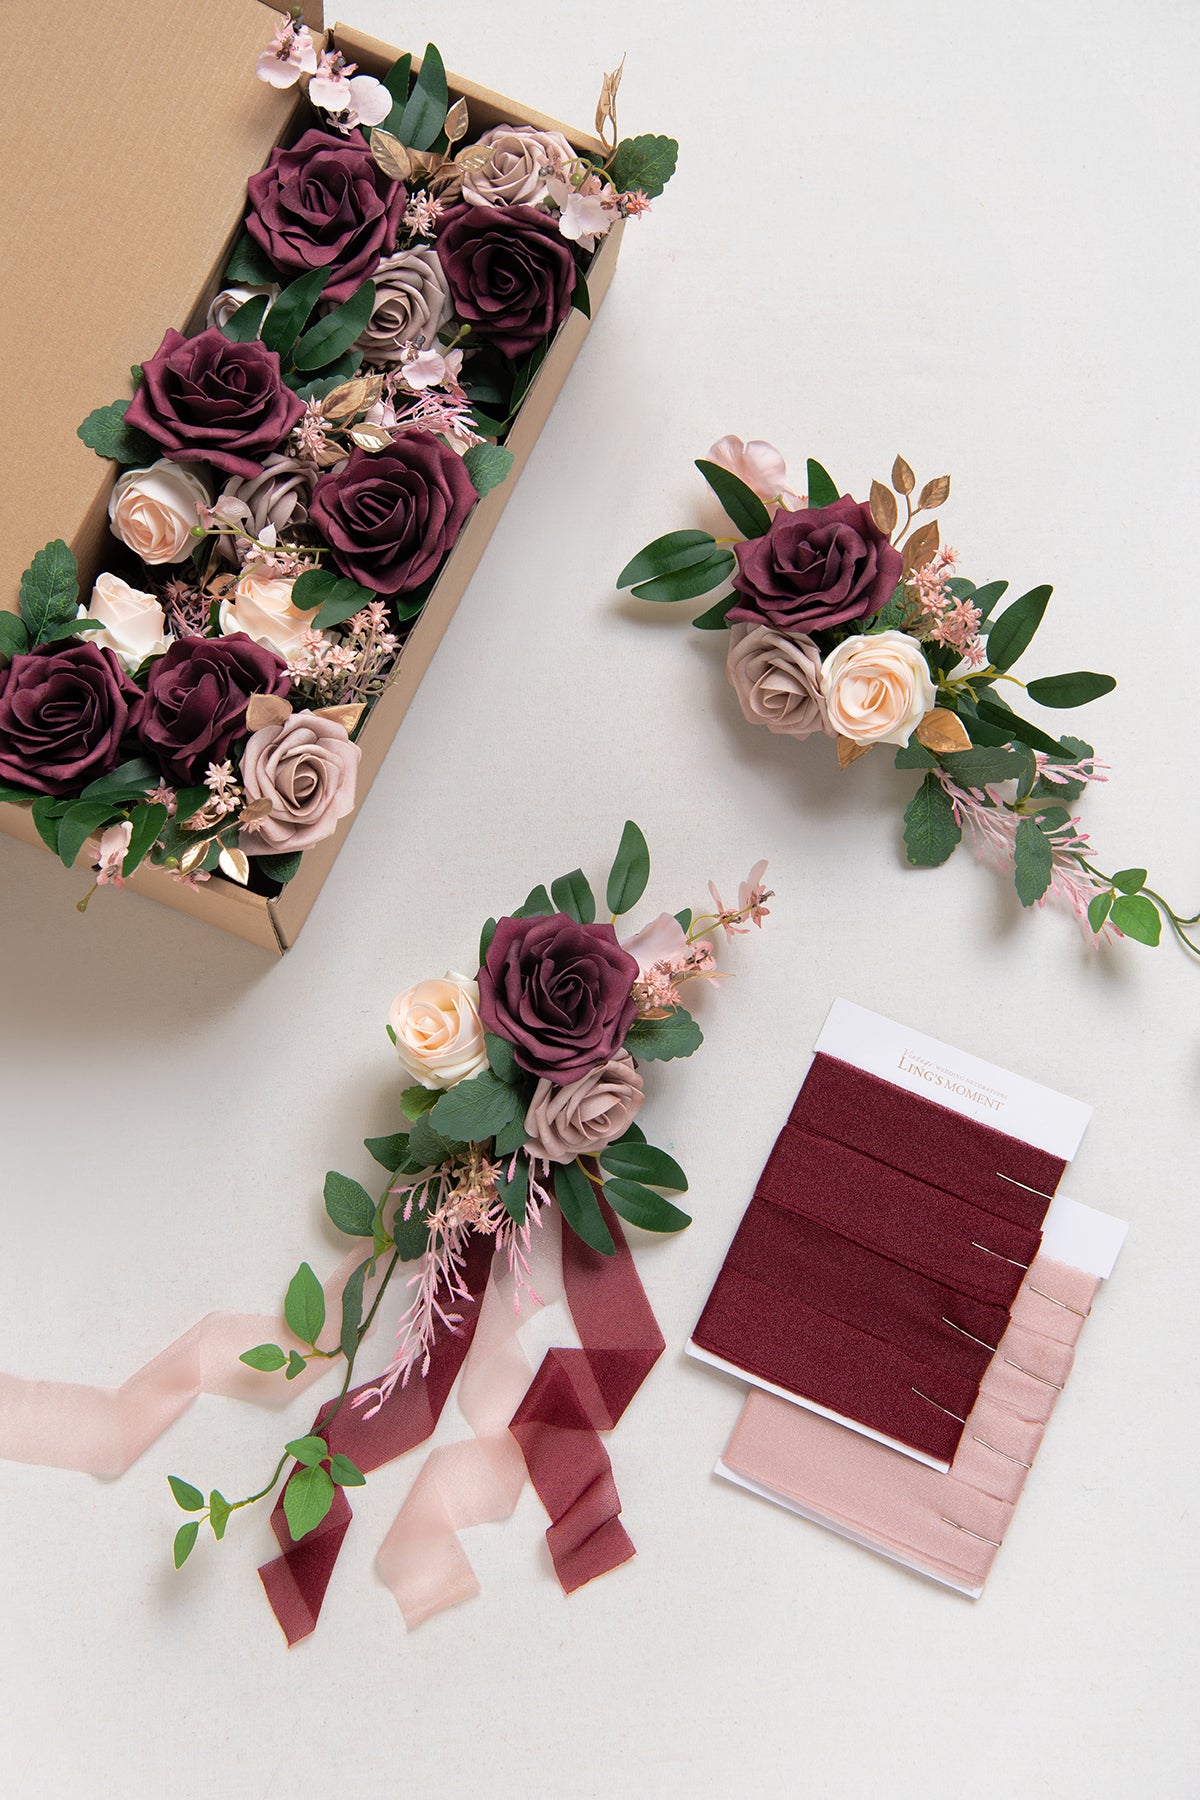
[441, 175]
[919, 545]
[606, 108]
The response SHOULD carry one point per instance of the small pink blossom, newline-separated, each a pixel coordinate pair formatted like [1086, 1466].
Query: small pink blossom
[759, 464]
[662, 941]
[631, 205]
[114, 842]
[290, 54]
[162, 795]
[427, 369]
[422, 214]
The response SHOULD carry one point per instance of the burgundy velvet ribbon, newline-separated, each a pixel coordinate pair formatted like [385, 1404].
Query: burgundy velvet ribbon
[578, 1393]
[921, 1138]
[296, 1581]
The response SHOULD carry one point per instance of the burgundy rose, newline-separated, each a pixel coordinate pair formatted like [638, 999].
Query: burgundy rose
[510, 271]
[326, 204]
[63, 713]
[196, 700]
[389, 518]
[205, 399]
[561, 993]
[816, 568]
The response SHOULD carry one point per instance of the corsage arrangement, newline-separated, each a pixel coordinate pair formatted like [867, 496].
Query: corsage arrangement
[293, 476]
[524, 1084]
[848, 621]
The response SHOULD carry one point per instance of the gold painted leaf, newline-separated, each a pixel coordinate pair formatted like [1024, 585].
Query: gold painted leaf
[345, 401]
[934, 493]
[254, 811]
[883, 508]
[266, 709]
[606, 106]
[393, 157]
[848, 751]
[331, 455]
[942, 730]
[473, 157]
[457, 120]
[370, 437]
[920, 548]
[235, 864]
[193, 856]
[447, 183]
[345, 716]
[903, 479]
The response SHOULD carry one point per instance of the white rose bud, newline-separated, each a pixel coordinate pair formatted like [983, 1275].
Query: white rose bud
[134, 623]
[439, 1038]
[877, 688]
[155, 510]
[261, 606]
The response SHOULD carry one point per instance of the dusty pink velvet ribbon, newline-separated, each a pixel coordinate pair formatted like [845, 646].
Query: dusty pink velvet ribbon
[952, 1524]
[576, 1394]
[103, 1431]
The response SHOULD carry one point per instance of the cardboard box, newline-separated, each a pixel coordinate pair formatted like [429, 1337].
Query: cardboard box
[125, 189]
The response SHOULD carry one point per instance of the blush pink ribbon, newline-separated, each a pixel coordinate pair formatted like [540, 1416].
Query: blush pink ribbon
[103, 1431]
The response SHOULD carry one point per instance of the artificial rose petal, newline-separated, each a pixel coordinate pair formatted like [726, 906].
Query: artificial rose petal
[662, 940]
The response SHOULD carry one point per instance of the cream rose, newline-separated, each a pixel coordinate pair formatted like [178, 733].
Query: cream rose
[260, 604]
[512, 176]
[777, 680]
[134, 622]
[230, 298]
[877, 688]
[154, 510]
[585, 1116]
[439, 1038]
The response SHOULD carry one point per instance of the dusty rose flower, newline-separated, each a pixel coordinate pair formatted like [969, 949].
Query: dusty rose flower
[511, 274]
[583, 1117]
[412, 302]
[777, 680]
[439, 1038]
[260, 604]
[278, 495]
[205, 399]
[816, 567]
[560, 992]
[64, 711]
[155, 510]
[325, 204]
[390, 517]
[134, 622]
[877, 688]
[307, 768]
[513, 175]
[196, 700]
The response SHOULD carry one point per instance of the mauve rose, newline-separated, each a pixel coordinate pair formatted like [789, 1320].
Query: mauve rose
[411, 302]
[278, 495]
[205, 399]
[64, 710]
[307, 768]
[816, 568]
[777, 680]
[389, 518]
[561, 993]
[585, 1116]
[196, 700]
[326, 204]
[512, 175]
[511, 274]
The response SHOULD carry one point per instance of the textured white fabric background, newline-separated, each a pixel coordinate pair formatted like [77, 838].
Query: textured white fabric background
[964, 232]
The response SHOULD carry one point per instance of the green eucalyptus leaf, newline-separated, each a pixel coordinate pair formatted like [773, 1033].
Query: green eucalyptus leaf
[485, 940]
[822, 489]
[79, 824]
[716, 617]
[992, 713]
[290, 313]
[630, 872]
[514, 1193]
[677, 550]
[579, 1207]
[242, 325]
[689, 583]
[581, 300]
[1014, 630]
[740, 502]
[425, 110]
[333, 335]
[396, 81]
[128, 781]
[1075, 689]
[642, 1162]
[536, 905]
[644, 1208]
[572, 894]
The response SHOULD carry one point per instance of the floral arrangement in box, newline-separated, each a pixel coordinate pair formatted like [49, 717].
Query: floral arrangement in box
[293, 477]
[851, 623]
[523, 1087]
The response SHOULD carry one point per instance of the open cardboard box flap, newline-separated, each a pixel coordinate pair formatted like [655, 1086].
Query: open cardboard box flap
[125, 168]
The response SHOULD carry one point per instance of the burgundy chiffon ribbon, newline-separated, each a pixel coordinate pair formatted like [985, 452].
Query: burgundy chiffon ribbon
[296, 1580]
[578, 1393]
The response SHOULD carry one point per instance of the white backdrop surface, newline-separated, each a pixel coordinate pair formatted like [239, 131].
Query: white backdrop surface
[966, 233]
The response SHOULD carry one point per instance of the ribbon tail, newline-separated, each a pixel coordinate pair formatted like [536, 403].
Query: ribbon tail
[479, 1480]
[296, 1581]
[575, 1395]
